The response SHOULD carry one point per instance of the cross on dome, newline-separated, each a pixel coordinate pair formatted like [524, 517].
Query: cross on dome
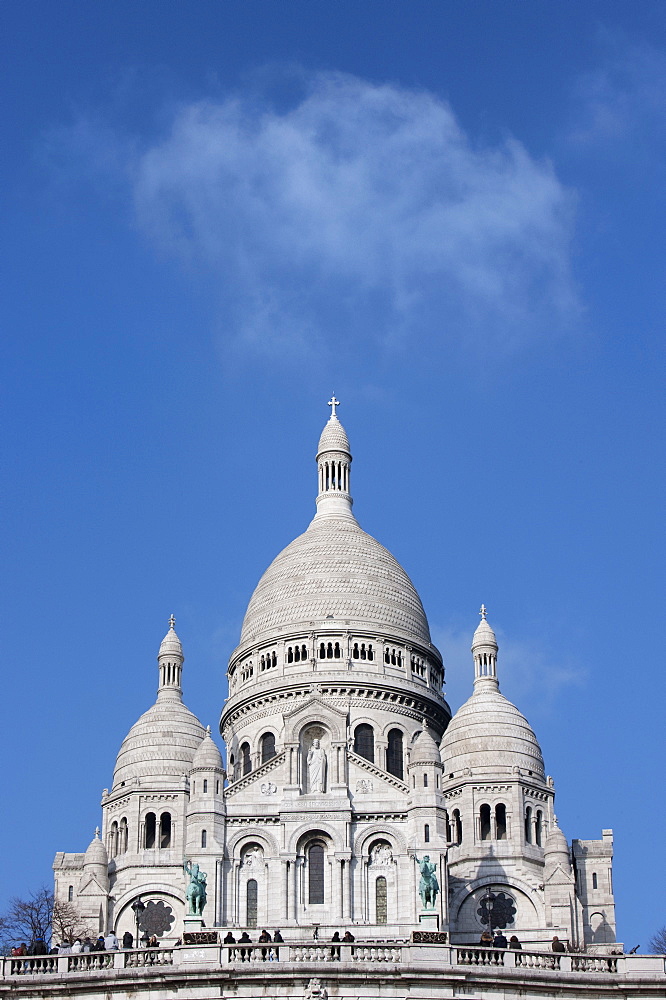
[333, 402]
[172, 622]
[483, 612]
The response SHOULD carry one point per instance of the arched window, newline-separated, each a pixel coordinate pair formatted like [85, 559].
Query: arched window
[316, 873]
[484, 815]
[113, 840]
[205, 785]
[528, 825]
[123, 836]
[149, 831]
[322, 651]
[70, 893]
[304, 653]
[394, 753]
[204, 838]
[246, 758]
[381, 907]
[595, 884]
[425, 780]
[252, 901]
[290, 655]
[165, 830]
[538, 827]
[457, 827]
[500, 821]
[337, 652]
[267, 747]
[364, 741]
[426, 833]
[447, 827]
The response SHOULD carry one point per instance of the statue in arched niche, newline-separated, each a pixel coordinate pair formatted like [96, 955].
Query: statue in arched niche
[382, 854]
[253, 857]
[316, 767]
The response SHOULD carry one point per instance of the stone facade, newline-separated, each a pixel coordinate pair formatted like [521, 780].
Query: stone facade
[345, 775]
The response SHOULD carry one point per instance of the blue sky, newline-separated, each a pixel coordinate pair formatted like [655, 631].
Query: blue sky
[449, 214]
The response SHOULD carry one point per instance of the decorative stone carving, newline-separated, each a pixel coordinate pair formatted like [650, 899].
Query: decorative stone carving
[382, 855]
[253, 858]
[364, 786]
[315, 991]
[157, 918]
[268, 788]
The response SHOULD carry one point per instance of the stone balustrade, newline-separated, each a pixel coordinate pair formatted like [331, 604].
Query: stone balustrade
[315, 953]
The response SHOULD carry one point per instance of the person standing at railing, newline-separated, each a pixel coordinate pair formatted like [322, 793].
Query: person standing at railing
[264, 938]
[515, 943]
[557, 945]
[245, 939]
[111, 942]
[348, 938]
[229, 938]
[128, 939]
[499, 941]
[486, 939]
[335, 950]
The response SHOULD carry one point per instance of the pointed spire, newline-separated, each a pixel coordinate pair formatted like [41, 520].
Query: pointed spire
[170, 660]
[333, 466]
[484, 650]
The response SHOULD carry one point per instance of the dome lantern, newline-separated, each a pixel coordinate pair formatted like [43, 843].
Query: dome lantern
[484, 650]
[170, 659]
[334, 468]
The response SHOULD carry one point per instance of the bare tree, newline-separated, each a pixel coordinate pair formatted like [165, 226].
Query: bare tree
[658, 942]
[38, 916]
[26, 920]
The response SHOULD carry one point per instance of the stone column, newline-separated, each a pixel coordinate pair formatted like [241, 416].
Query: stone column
[346, 890]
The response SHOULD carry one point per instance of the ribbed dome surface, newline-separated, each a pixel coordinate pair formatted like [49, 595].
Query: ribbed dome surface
[425, 749]
[333, 437]
[162, 743]
[487, 732]
[96, 853]
[207, 757]
[334, 569]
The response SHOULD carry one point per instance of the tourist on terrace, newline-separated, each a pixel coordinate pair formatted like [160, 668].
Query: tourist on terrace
[486, 940]
[229, 938]
[515, 943]
[128, 939]
[499, 941]
[557, 945]
[111, 942]
[348, 938]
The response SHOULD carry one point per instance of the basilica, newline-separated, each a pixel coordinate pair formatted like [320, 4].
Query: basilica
[350, 799]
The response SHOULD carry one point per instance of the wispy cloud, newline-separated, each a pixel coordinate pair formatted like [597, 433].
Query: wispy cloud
[360, 211]
[622, 103]
[528, 676]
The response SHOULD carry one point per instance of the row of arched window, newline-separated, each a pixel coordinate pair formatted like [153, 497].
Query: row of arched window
[392, 656]
[156, 833]
[333, 476]
[268, 660]
[244, 763]
[364, 746]
[297, 653]
[418, 666]
[489, 830]
[118, 838]
[533, 826]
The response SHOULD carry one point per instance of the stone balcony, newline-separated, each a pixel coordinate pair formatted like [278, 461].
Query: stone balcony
[346, 970]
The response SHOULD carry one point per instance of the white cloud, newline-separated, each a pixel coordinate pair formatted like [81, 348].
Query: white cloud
[528, 677]
[622, 104]
[362, 211]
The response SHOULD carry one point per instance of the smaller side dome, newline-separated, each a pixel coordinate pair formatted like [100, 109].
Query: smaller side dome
[207, 756]
[96, 856]
[556, 844]
[424, 749]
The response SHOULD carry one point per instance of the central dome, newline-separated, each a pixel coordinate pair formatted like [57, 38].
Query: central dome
[335, 570]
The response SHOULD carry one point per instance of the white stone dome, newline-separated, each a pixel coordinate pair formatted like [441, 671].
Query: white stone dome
[425, 749]
[334, 570]
[96, 855]
[207, 756]
[488, 732]
[161, 744]
[333, 437]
